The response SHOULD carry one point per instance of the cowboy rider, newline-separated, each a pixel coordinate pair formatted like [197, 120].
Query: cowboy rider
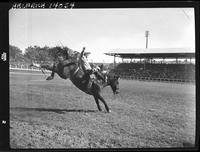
[83, 62]
[87, 69]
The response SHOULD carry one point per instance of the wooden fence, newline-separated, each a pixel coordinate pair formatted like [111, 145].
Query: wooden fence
[25, 68]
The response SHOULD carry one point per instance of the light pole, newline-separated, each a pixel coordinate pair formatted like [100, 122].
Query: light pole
[146, 35]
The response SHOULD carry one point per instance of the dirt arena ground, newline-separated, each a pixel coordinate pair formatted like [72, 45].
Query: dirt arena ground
[55, 114]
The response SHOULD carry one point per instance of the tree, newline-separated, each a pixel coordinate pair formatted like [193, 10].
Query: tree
[30, 53]
[14, 52]
[37, 53]
[53, 53]
[42, 54]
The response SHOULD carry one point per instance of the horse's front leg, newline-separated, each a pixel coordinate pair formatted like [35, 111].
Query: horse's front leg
[48, 67]
[44, 66]
[104, 102]
[97, 102]
[96, 93]
[52, 73]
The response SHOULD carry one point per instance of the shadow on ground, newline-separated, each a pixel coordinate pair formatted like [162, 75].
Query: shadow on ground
[60, 111]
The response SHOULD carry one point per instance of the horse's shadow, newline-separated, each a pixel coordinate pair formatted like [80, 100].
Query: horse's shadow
[59, 111]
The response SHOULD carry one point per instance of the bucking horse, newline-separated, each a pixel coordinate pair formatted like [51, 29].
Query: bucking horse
[74, 72]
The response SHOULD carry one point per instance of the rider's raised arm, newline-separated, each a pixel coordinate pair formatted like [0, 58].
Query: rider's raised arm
[82, 52]
[81, 57]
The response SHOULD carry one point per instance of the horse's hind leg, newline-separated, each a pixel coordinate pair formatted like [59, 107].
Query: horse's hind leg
[104, 102]
[97, 102]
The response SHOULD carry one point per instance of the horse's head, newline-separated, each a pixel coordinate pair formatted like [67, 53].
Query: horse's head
[113, 81]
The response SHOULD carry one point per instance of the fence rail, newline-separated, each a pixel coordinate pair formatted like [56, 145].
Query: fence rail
[25, 68]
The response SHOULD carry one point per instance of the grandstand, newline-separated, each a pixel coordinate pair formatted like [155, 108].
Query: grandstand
[147, 67]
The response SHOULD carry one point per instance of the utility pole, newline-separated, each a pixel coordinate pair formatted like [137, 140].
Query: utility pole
[146, 35]
[114, 61]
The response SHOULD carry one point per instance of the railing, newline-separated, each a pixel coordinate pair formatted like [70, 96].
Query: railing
[25, 68]
[155, 79]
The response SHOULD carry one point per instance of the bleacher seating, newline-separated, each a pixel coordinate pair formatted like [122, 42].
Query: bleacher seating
[164, 71]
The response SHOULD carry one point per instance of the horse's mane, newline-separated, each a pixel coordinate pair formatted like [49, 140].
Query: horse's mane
[64, 50]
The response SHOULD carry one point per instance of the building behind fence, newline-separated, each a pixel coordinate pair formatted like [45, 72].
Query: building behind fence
[158, 72]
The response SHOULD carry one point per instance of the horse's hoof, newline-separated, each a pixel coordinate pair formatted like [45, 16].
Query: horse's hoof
[49, 78]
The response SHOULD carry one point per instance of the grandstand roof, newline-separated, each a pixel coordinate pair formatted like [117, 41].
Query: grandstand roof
[153, 53]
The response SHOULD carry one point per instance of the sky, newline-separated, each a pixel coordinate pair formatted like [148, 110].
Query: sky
[101, 30]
